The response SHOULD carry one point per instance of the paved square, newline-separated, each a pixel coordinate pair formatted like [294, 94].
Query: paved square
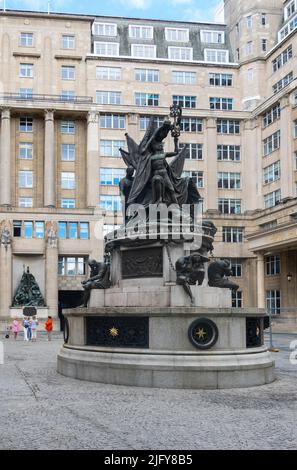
[42, 410]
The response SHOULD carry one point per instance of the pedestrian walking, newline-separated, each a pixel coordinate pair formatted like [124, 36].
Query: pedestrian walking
[15, 328]
[25, 329]
[49, 328]
[29, 329]
[34, 324]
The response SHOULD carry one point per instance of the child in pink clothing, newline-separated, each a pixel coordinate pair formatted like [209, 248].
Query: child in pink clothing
[15, 328]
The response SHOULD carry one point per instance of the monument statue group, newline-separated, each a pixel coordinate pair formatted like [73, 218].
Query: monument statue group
[158, 310]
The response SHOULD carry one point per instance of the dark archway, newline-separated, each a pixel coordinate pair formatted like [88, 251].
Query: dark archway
[69, 299]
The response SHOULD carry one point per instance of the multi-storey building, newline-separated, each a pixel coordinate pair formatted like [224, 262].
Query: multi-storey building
[72, 86]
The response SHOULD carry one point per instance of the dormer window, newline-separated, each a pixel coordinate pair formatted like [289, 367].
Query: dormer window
[212, 37]
[105, 29]
[141, 32]
[290, 9]
[177, 34]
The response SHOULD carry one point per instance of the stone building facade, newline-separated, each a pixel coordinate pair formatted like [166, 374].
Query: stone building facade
[71, 86]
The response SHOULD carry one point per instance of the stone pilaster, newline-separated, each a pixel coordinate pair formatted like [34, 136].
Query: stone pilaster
[51, 269]
[49, 160]
[5, 271]
[210, 151]
[5, 160]
[286, 150]
[261, 281]
[92, 159]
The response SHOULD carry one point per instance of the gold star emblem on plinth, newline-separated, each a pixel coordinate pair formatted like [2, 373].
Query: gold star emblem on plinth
[114, 332]
[201, 333]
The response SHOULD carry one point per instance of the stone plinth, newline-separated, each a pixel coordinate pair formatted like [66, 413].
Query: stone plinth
[152, 293]
[170, 359]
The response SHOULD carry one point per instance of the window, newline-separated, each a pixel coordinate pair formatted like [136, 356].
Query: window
[263, 19]
[180, 53]
[295, 158]
[221, 103]
[25, 151]
[268, 225]
[272, 264]
[283, 83]
[109, 97]
[271, 115]
[233, 234]
[17, 228]
[229, 153]
[106, 48]
[146, 99]
[25, 179]
[197, 177]
[216, 55]
[112, 121]
[68, 42]
[227, 126]
[109, 229]
[72, 266]
[28, 229]
[177, 34]
[236, 267]
[105, 29]
[26, 39]
[215, 37]
[145, 120]
[147, 75]
[229, 206]
[26, 70]
[67, 180]
[141, 32]
[249, 47]
[39, 229]
[26, 124]
[250, 75]
[290, 9]
[68, 203]
[26, 202]
[271, 143]
[191, 125]
[249, 22]
[111, 176]
[273, 301]
[68, 152]
[26, 93]
[295, 129]
[68, 127]
[67, 72]
[110, 148]
[220, 79]
[237, 299]
[68, 95]
[110, 203]
[272, 199]
[144, 51]
[288, 28]
[108, 73]
[74, 230]
[184, 78]
[271, 173]
[195, 151]
[184, 101]
[282, 59]
[229, 180]
[264, 43]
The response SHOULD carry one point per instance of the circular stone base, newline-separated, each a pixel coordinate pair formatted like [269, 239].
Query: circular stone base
[203, 370]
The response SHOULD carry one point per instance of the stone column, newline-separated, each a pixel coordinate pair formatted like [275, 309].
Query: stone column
[5, 272]
[286, 149]
[51, 270]
[49, 160]
[5, 160]
[210, 150]
[92, 182]
[261, 281]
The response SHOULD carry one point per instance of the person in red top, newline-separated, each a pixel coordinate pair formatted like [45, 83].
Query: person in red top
[49, 328]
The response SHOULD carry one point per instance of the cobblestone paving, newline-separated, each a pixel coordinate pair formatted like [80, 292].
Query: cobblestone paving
[42, 410]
